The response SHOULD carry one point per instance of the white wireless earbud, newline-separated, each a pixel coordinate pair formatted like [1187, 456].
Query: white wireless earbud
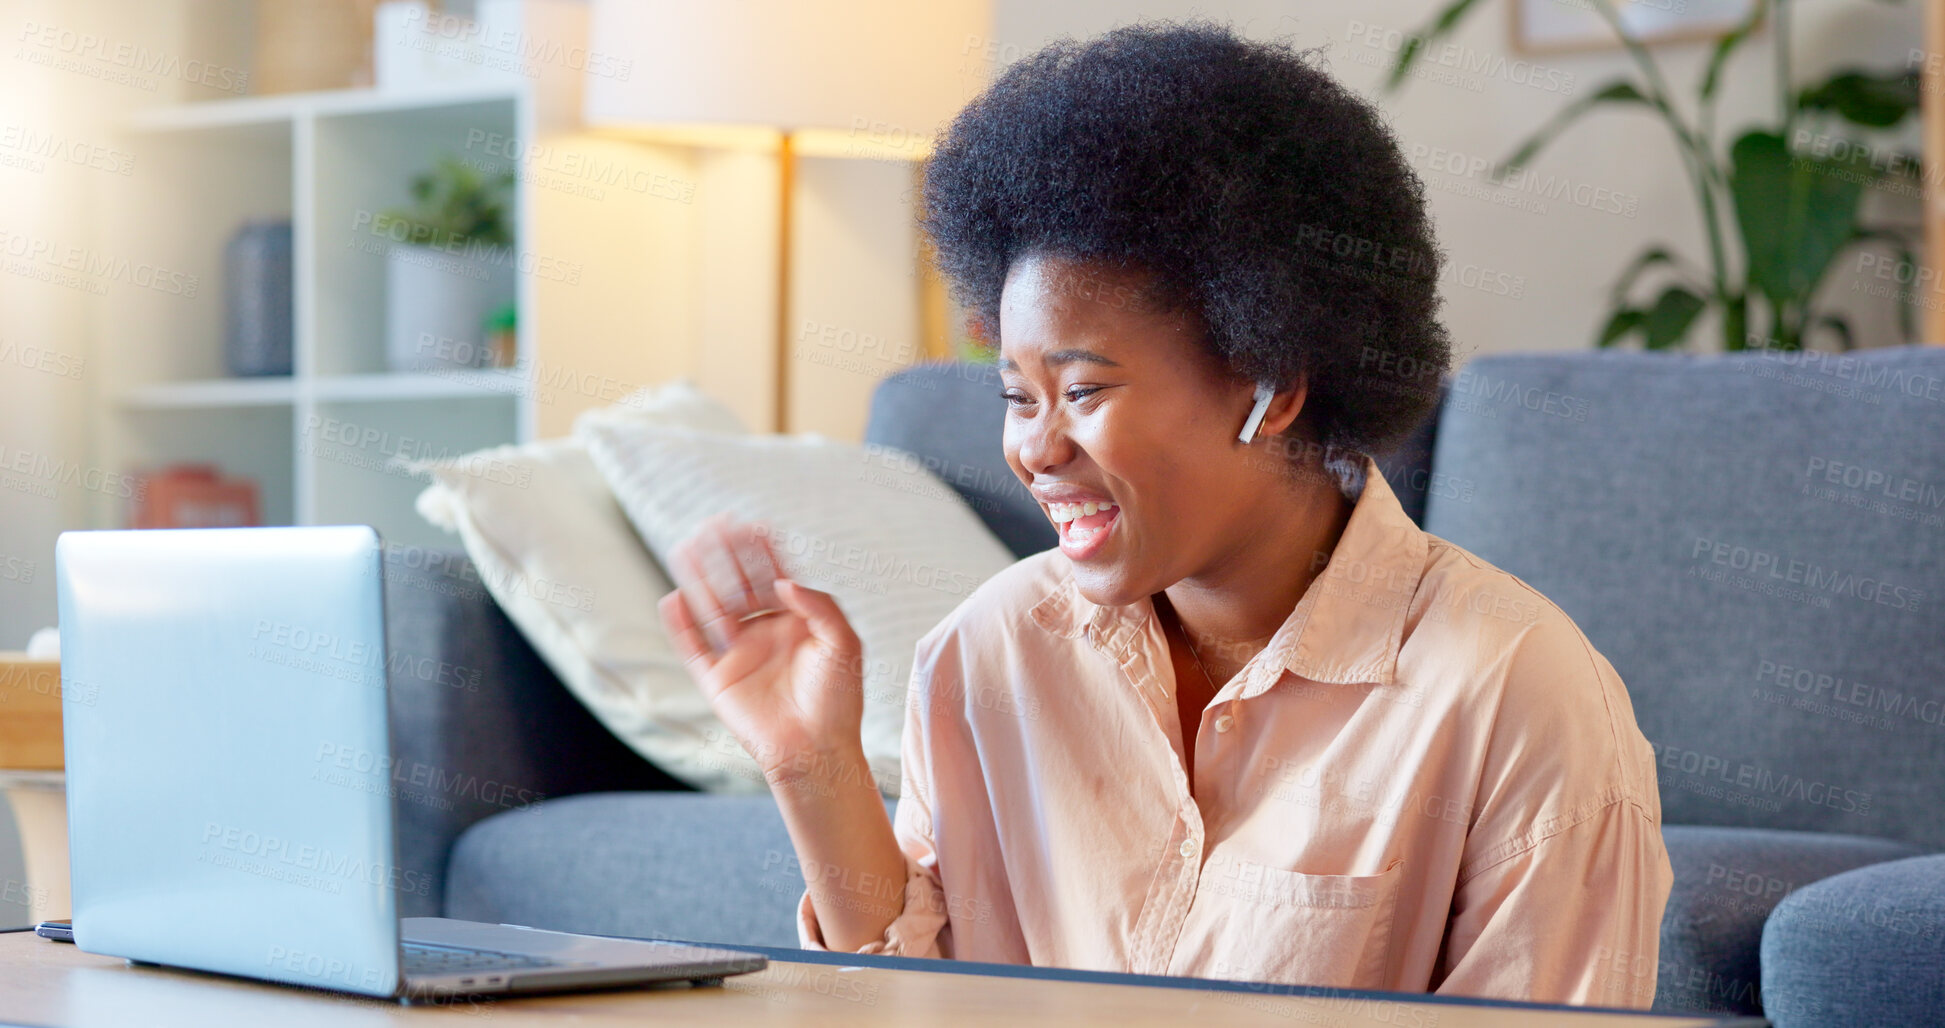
[1263, 393]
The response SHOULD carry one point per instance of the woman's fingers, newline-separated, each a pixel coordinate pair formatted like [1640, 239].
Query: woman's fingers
[753, 557]
[689, 641]
[728, 572]
[764, 553]
[720, 566]
[717, 623]
[827, 623]
[743, 585]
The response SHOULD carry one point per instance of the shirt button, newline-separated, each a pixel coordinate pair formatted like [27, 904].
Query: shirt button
[1188, 849]
[1225, 723]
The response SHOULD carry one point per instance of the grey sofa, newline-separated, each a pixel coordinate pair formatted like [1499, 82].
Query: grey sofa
[1754, 541]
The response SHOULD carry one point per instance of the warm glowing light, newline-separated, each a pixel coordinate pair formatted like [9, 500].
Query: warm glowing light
[863, 143]
[721, 137]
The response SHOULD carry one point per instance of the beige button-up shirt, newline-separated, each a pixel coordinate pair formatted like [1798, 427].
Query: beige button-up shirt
[1427, 781]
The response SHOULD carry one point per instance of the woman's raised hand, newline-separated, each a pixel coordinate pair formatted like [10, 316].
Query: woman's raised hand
[782, 668]
[777, 660]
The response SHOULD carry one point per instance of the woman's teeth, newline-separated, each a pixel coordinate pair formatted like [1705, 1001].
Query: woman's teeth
[1065, 512]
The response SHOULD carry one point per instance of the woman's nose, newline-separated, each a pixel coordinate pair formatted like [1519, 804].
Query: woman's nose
[1041, 445]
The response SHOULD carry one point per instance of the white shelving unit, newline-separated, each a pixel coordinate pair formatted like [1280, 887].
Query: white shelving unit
[320, 442]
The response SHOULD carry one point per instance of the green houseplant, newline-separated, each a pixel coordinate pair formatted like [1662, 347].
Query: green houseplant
[1789, 209]
[456, 205]
[450, 268]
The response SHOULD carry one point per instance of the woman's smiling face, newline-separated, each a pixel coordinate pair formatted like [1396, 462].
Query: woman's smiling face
[1113, 403]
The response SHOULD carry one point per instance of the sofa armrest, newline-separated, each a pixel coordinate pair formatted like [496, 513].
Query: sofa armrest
[1863, 947]
[479, 722]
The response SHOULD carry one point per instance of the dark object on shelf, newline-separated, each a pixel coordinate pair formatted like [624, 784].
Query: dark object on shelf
[196, 496]
[256, 288]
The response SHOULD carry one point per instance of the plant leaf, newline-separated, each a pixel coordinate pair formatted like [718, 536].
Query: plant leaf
[1621, 91]
[458, 202]
[1865, 98]
[1795, 214]
[1666, 324]
[1726, 46]
[1649, 258]
[1624, 322]
[1415, 43]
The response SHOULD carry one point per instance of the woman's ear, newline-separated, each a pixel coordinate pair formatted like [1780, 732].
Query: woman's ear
[1281, 411]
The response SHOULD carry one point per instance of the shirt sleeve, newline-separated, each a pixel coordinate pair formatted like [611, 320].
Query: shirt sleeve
[1560, 894]
[921, 929]
[1573, 918]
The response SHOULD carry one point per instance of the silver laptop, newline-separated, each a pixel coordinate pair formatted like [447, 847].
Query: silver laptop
[229, 804]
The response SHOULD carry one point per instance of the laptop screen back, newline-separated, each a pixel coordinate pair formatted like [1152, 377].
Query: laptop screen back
[227, 752]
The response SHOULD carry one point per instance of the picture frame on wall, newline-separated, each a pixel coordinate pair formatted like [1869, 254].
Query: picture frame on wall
[1558, 26]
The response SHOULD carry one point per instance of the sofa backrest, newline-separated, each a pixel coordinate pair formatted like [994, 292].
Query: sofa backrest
[950, 416]
[1756, 542]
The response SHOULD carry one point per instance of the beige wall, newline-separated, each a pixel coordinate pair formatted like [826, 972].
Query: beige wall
[628, 319]
[685, 286]
[688, 288]
[1564, 258]
[58, 99]
[49, 374]
[855, 297]
[1527, 272]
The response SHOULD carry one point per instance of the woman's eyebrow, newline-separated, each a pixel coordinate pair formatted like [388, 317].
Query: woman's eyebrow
[1060, 357]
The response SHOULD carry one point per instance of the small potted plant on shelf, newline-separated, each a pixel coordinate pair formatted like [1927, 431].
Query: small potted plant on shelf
[451, 268]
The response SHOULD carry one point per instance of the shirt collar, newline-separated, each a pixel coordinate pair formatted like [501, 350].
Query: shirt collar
[1346, 630]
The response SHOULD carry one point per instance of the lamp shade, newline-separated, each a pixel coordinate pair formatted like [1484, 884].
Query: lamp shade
[883, 68]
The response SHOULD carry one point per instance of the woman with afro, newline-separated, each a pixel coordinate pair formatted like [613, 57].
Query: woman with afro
[1247, 721]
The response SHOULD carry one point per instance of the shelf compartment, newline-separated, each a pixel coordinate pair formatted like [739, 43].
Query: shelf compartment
[175, 217]
[317, 160]
[365, 166]
[353, 450]
[251, 441]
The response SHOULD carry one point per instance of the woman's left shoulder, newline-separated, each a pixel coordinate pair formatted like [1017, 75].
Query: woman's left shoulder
[1519, 649]
[1539, 710]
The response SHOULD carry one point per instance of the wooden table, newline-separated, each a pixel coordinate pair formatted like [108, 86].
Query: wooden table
[40, 809]
[30, 712]
[31, 695]
[52, 983]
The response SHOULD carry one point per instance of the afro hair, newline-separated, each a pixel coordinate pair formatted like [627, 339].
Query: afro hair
[1248, 186]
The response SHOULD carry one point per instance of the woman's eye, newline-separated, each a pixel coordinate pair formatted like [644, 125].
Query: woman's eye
[1073, 395]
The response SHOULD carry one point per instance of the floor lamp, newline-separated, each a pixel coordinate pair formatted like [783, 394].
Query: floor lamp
[834, 78]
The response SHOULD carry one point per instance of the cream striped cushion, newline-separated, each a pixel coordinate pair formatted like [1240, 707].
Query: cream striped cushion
[561, 559]
[895, 546]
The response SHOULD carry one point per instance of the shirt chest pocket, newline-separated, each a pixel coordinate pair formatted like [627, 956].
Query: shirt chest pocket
[1271, 925]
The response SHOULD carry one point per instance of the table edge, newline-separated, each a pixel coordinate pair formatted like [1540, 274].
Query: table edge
[790, 955]
[785, 954]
